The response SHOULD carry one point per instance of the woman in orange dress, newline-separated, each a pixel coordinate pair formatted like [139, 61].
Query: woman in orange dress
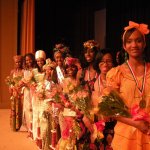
[132, 81]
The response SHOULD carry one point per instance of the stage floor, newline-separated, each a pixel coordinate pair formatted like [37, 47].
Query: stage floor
[10, 140]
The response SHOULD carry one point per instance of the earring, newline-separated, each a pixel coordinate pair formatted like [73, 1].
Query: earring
[126, 56]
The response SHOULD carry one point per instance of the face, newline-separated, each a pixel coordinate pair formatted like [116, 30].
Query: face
[58, 58]
[89, 55]
[18, 63]
[40, 62]
[49, 71]
[106, 63]
[135, 44]
[71, 70]
[29, 61]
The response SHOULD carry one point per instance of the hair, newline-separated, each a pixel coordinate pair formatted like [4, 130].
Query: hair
[100, 55]
[121, 57]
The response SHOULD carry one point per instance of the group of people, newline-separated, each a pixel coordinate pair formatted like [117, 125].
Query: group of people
[57, 100]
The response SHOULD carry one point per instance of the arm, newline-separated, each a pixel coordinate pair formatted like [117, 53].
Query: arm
[143, 126]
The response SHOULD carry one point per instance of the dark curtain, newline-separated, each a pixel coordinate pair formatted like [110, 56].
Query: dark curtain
[118, 15]
[71, 21]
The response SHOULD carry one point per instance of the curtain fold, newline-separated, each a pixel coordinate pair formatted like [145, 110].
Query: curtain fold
[27, 33]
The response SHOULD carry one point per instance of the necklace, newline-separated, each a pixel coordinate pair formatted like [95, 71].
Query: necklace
[89, 79]
[142, 102]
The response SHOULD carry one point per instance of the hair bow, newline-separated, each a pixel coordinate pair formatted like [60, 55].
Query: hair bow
[143, 28]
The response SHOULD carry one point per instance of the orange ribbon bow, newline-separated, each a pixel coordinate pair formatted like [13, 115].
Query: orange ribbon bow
[143, 28]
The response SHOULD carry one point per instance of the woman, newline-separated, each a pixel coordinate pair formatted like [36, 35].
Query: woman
[15, 90]
[132, 81]
[89, 75]
[104, 62]
[48, 109]
[29, 64]
[59, 59]
[77, 100]
[37, 95]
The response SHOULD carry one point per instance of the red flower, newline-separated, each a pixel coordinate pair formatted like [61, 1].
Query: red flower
[100, 125]
[139, 114]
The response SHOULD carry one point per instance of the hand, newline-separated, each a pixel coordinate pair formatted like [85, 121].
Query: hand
[143, 126]
[88, 124]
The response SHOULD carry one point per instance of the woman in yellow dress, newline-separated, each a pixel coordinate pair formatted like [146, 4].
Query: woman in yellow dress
[132, 81]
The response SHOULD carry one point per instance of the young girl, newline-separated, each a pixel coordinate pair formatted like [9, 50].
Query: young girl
[132, 80]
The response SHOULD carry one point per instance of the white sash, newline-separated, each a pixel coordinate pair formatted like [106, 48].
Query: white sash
[59, 74]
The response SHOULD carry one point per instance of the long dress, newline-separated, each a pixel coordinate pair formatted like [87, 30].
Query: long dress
[49, 116]
[16, 101]
[27, 103]
[37, 103]
[128, 137]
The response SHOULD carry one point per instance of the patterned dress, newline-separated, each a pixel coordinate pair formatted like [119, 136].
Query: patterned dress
[16, 101]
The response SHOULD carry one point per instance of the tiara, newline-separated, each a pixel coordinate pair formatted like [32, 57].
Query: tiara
[91, 44]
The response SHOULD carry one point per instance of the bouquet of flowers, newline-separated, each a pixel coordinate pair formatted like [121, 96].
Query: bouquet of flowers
[113, 105]
[55, 94]
[98, 130]
[40, 91]
[13, 81]
[78, 96]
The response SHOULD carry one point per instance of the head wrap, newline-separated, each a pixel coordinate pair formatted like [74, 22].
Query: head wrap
[49, 63]
[18, 57]
[40, 54]
[143, 28]
[91, 44]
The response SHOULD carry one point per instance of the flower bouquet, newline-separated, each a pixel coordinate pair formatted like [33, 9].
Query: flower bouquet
[98, 131]
[113, 105]
[13, 81]
[78, 96]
